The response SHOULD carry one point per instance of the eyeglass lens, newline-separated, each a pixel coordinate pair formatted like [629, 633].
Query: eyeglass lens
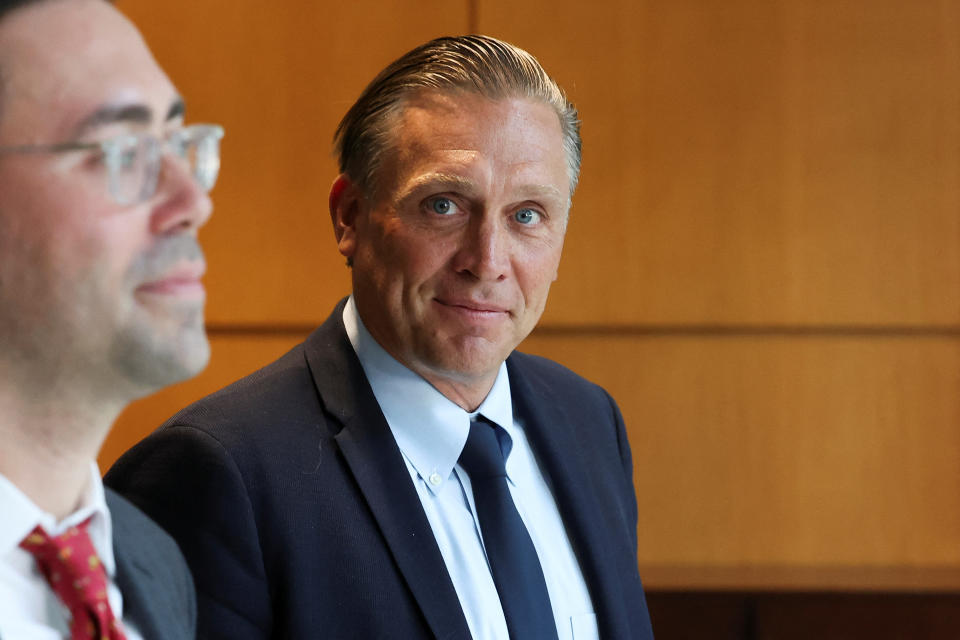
[134, 162]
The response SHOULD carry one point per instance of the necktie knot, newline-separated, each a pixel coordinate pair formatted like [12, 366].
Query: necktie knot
[482, 457]
[73, 569]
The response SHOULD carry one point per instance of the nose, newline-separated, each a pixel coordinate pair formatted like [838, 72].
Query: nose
[484, 251]
[180, 203]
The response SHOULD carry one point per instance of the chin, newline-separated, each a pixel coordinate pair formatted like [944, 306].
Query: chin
[469, 362]
[151, 362]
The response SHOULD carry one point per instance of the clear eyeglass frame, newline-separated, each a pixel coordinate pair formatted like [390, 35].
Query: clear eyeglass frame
[133, 161]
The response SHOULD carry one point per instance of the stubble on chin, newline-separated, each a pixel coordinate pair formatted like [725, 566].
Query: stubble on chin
[160, 343]
[149, 359]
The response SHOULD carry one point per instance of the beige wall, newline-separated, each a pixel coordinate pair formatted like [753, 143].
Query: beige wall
[763, 264]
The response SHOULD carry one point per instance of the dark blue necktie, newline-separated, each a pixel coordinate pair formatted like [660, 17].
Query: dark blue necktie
[512, 556]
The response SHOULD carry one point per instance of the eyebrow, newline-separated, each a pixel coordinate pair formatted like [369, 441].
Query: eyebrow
[437, 180]
[442, 179]
[133, 113]
[468, 187]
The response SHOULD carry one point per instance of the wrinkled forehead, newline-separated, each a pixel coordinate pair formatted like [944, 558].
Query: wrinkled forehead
[519, 130]
[513, 131]
[60, 60]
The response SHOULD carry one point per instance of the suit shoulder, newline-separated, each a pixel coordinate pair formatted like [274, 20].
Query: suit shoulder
[536, 381]
[133, 528]
[276, 389]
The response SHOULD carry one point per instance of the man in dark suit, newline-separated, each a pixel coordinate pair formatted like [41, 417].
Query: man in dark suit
[102, 191]
[403, 473]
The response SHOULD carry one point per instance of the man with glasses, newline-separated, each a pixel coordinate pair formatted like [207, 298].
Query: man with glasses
[102, 192]
[404, 473]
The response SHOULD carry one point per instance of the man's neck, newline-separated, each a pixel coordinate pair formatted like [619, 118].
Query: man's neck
[48, 444]
[466, 391]
[468, 396]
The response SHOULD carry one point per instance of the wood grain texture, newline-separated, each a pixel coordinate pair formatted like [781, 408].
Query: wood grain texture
[784, 162]
[765, 452]
[796, 451]
[279, 76]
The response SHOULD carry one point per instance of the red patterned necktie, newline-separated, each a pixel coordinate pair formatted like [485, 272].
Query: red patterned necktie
[71, 566]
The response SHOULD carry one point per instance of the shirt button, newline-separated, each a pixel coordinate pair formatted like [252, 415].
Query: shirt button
[435, 478]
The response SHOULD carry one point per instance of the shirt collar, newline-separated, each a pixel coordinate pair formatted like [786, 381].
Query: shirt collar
[21, 515]
[429, 428]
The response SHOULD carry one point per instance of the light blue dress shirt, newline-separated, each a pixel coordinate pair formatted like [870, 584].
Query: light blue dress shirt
[430, 431]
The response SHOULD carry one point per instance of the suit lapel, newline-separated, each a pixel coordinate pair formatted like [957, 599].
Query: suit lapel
[140, 588]
[550, 431]
[135, 584]
[378, 468]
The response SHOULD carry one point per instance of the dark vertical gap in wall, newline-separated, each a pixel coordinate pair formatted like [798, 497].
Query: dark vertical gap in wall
[473, 17]
[750, 619]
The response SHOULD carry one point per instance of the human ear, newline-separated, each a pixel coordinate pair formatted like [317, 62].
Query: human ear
[345, 203]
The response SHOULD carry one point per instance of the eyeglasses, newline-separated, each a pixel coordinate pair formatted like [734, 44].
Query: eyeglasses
[133, 160]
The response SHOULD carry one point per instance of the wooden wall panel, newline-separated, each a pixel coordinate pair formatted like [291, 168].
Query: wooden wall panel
[785, 162]
[747, 164]
[279, 76]
[769, 451]
[786, 450]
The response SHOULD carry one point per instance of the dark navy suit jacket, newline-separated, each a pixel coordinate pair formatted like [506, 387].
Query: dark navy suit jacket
[292, 503]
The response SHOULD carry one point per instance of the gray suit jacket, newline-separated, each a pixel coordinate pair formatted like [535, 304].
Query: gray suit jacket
[158, 594]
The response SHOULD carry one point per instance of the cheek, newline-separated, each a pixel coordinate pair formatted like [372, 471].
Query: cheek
[49, 281]
[427, 261]
[63, 246]
[109, 243]
[93, 264]
[61, 218]
[536, 272]
[411, 258]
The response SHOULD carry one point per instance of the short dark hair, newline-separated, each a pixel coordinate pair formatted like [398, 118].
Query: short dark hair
[475, 64]
[6, 6]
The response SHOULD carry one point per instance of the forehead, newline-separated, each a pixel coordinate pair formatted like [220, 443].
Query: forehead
[61, 59]
[513, 138]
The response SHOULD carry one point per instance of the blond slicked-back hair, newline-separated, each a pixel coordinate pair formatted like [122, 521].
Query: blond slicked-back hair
[475, 64]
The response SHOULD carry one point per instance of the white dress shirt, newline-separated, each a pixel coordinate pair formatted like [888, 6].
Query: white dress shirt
[431, 431]
[29, 609]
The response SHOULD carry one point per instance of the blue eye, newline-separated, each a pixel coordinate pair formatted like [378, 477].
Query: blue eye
[526, 216]
[443, 206]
